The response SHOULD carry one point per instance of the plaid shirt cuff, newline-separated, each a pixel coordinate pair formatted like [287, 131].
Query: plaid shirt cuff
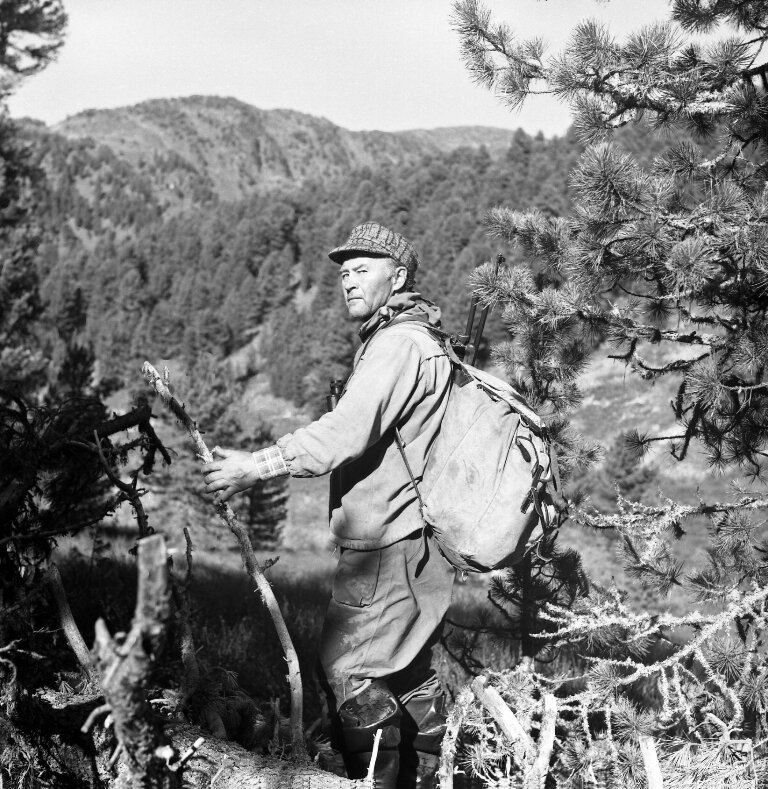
[270, 463]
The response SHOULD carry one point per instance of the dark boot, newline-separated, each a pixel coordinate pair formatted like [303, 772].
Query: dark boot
[360, 718]
[422, 732]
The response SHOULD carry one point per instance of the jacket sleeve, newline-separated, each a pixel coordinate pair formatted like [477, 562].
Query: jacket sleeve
[387, 381]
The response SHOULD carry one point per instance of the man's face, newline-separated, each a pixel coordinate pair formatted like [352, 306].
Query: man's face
[368, 282]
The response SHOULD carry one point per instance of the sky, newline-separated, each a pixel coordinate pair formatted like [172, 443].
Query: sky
[363, 64]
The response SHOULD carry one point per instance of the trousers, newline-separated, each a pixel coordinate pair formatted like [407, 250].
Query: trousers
[385, 615]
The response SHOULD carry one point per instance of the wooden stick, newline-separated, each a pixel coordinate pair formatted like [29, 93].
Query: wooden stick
[252, 566]
[651, 762]
[374, 754]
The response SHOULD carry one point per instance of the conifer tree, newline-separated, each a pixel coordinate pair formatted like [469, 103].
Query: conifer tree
[671, 255]
[31, 32]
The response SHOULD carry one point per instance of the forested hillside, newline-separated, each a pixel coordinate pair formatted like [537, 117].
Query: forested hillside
[147, 253]
[154, 246]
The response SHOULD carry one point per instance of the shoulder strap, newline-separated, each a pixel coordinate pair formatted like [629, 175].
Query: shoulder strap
[442, 338]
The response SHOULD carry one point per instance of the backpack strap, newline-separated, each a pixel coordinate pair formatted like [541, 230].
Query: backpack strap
[442, 338]
[401, 446]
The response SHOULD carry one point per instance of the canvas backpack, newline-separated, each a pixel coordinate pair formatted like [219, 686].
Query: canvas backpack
[488, 486]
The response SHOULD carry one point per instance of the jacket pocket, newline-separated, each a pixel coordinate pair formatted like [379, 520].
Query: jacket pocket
[357, 576]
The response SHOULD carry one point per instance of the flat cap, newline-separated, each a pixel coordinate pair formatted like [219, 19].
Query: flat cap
[371, 238]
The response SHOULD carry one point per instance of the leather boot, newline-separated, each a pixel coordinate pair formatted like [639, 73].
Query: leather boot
[360, 718]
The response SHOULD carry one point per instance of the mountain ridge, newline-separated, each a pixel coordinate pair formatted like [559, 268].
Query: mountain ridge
[238, 148]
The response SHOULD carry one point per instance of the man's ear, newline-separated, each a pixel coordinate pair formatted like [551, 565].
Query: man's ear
[399, 278]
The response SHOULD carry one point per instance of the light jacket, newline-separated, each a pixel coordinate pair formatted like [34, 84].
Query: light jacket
[401, 378]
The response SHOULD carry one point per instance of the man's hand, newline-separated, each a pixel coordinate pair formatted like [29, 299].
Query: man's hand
[231, 471]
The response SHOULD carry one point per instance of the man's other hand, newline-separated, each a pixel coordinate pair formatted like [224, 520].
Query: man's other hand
[231, 471]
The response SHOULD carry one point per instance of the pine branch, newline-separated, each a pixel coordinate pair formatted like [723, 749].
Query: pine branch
[706, 628]
[649, 372]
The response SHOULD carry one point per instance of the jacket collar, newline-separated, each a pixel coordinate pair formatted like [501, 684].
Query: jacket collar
[401, 304]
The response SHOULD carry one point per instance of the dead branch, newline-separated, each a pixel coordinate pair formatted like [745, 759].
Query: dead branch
[191, 677]
[120, 423]
[252, 566]
[130, 491]
[69, 626]
[510, 726]
[125, 665]
[537, 776]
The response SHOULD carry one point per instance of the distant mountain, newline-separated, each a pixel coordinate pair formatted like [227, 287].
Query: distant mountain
[236, 149]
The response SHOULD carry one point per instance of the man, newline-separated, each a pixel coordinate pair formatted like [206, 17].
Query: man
[392, 587]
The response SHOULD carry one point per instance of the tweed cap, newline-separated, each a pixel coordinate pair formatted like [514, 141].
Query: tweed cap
[371, 238]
